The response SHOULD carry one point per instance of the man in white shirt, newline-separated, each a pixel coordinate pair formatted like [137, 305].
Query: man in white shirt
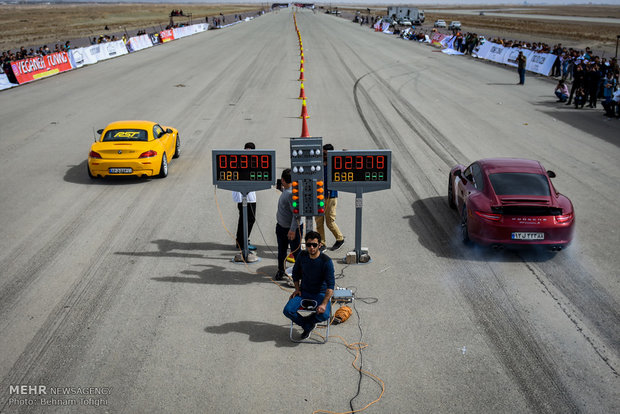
[238, 198]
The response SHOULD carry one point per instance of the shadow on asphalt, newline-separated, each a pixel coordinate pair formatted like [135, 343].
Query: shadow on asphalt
[220, 275]
[432, 236]
[591, 121]
[77, 174]
[256, 331]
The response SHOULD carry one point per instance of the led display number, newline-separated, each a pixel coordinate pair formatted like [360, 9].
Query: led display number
[359, 168]
[244, 167]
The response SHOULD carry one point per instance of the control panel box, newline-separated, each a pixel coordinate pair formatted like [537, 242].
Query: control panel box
[307, 176]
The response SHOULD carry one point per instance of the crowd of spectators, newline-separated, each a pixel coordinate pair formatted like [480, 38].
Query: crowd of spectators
[592, 78]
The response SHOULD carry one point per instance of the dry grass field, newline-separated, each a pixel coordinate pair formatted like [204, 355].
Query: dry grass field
[38, 24]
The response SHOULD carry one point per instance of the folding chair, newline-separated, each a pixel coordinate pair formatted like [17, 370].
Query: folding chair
[308, 307]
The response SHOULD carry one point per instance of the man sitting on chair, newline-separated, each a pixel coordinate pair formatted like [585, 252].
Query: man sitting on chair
[313, 275]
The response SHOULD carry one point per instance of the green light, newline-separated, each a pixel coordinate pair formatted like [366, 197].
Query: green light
[321, 204]
[294, 203]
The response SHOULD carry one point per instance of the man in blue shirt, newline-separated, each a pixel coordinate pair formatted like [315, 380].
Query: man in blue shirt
[313, 275]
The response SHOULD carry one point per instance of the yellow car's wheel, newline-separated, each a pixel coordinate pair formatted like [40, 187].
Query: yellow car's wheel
[163, 170]
[177, 147]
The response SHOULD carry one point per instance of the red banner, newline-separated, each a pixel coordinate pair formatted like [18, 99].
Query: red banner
[166, 36]
[27, 70]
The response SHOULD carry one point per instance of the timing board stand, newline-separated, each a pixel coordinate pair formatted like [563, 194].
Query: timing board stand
[244, 171]
[245, 255]
[359, 172]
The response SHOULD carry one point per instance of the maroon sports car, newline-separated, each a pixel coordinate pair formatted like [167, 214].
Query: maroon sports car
[510, 201]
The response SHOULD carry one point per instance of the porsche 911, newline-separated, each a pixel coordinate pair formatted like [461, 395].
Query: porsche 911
[510, 201]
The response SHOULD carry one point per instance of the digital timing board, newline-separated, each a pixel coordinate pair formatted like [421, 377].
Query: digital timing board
[365, 170]
[244, 170]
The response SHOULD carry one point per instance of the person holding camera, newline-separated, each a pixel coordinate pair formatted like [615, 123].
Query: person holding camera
[314, 279]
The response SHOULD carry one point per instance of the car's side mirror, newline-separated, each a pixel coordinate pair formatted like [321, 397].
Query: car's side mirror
[457, 173]
[100, 131]
[551, 174]
[168, 131]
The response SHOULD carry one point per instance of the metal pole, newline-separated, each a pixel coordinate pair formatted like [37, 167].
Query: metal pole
[244, 203]
[358, 223]
[617, 39]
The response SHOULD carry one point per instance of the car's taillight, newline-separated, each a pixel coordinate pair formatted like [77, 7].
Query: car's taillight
[94, 154]
[489, 216]
[148, 154]
[564, 218]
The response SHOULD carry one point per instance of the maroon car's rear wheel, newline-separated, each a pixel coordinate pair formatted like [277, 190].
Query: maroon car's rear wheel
[451, 201]
[464, 230]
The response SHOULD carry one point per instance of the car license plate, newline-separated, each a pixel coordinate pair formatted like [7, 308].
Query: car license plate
[120, 170]
[528, 236]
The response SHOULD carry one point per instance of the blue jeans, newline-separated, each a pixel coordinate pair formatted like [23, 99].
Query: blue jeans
[521, 76]
[561, 96]
[290, 310]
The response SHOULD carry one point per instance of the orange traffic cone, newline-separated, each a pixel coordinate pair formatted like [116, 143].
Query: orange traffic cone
[304, 110]
[304, 129]
[302, 93]
[301, 65]
[301, 75]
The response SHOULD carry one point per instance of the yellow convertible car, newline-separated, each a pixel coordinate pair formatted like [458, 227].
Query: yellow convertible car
[140, 148]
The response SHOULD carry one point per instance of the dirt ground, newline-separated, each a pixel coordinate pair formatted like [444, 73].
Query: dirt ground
[33, 25]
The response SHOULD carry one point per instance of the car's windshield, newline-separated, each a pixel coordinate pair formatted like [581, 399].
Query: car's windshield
[520, 184]
[125, 135]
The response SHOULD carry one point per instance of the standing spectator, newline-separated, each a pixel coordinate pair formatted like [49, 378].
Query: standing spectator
[609, 86]
[593, 76]
[578, 81]
[521, 62]
[561, 91]
[251, 208]
[288, 229]
[556, 68]
[331, 202]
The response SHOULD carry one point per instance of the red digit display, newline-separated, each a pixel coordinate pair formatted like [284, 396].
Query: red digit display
[244, 167]
[359, 168]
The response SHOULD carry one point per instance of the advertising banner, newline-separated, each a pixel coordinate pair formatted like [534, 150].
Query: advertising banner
[140, 42]
[483, 50]
[27, 70]
[166, 36]
[81, 57]
[4, 82]
[540, 63]
[510, 57]
[437, 38]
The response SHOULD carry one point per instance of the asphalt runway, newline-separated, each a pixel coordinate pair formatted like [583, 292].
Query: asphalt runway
[127, 286]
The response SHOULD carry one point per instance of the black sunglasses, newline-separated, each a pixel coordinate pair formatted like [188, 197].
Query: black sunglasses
[312, 244]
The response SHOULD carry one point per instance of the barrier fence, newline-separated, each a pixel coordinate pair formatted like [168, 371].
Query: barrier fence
[38, 67]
